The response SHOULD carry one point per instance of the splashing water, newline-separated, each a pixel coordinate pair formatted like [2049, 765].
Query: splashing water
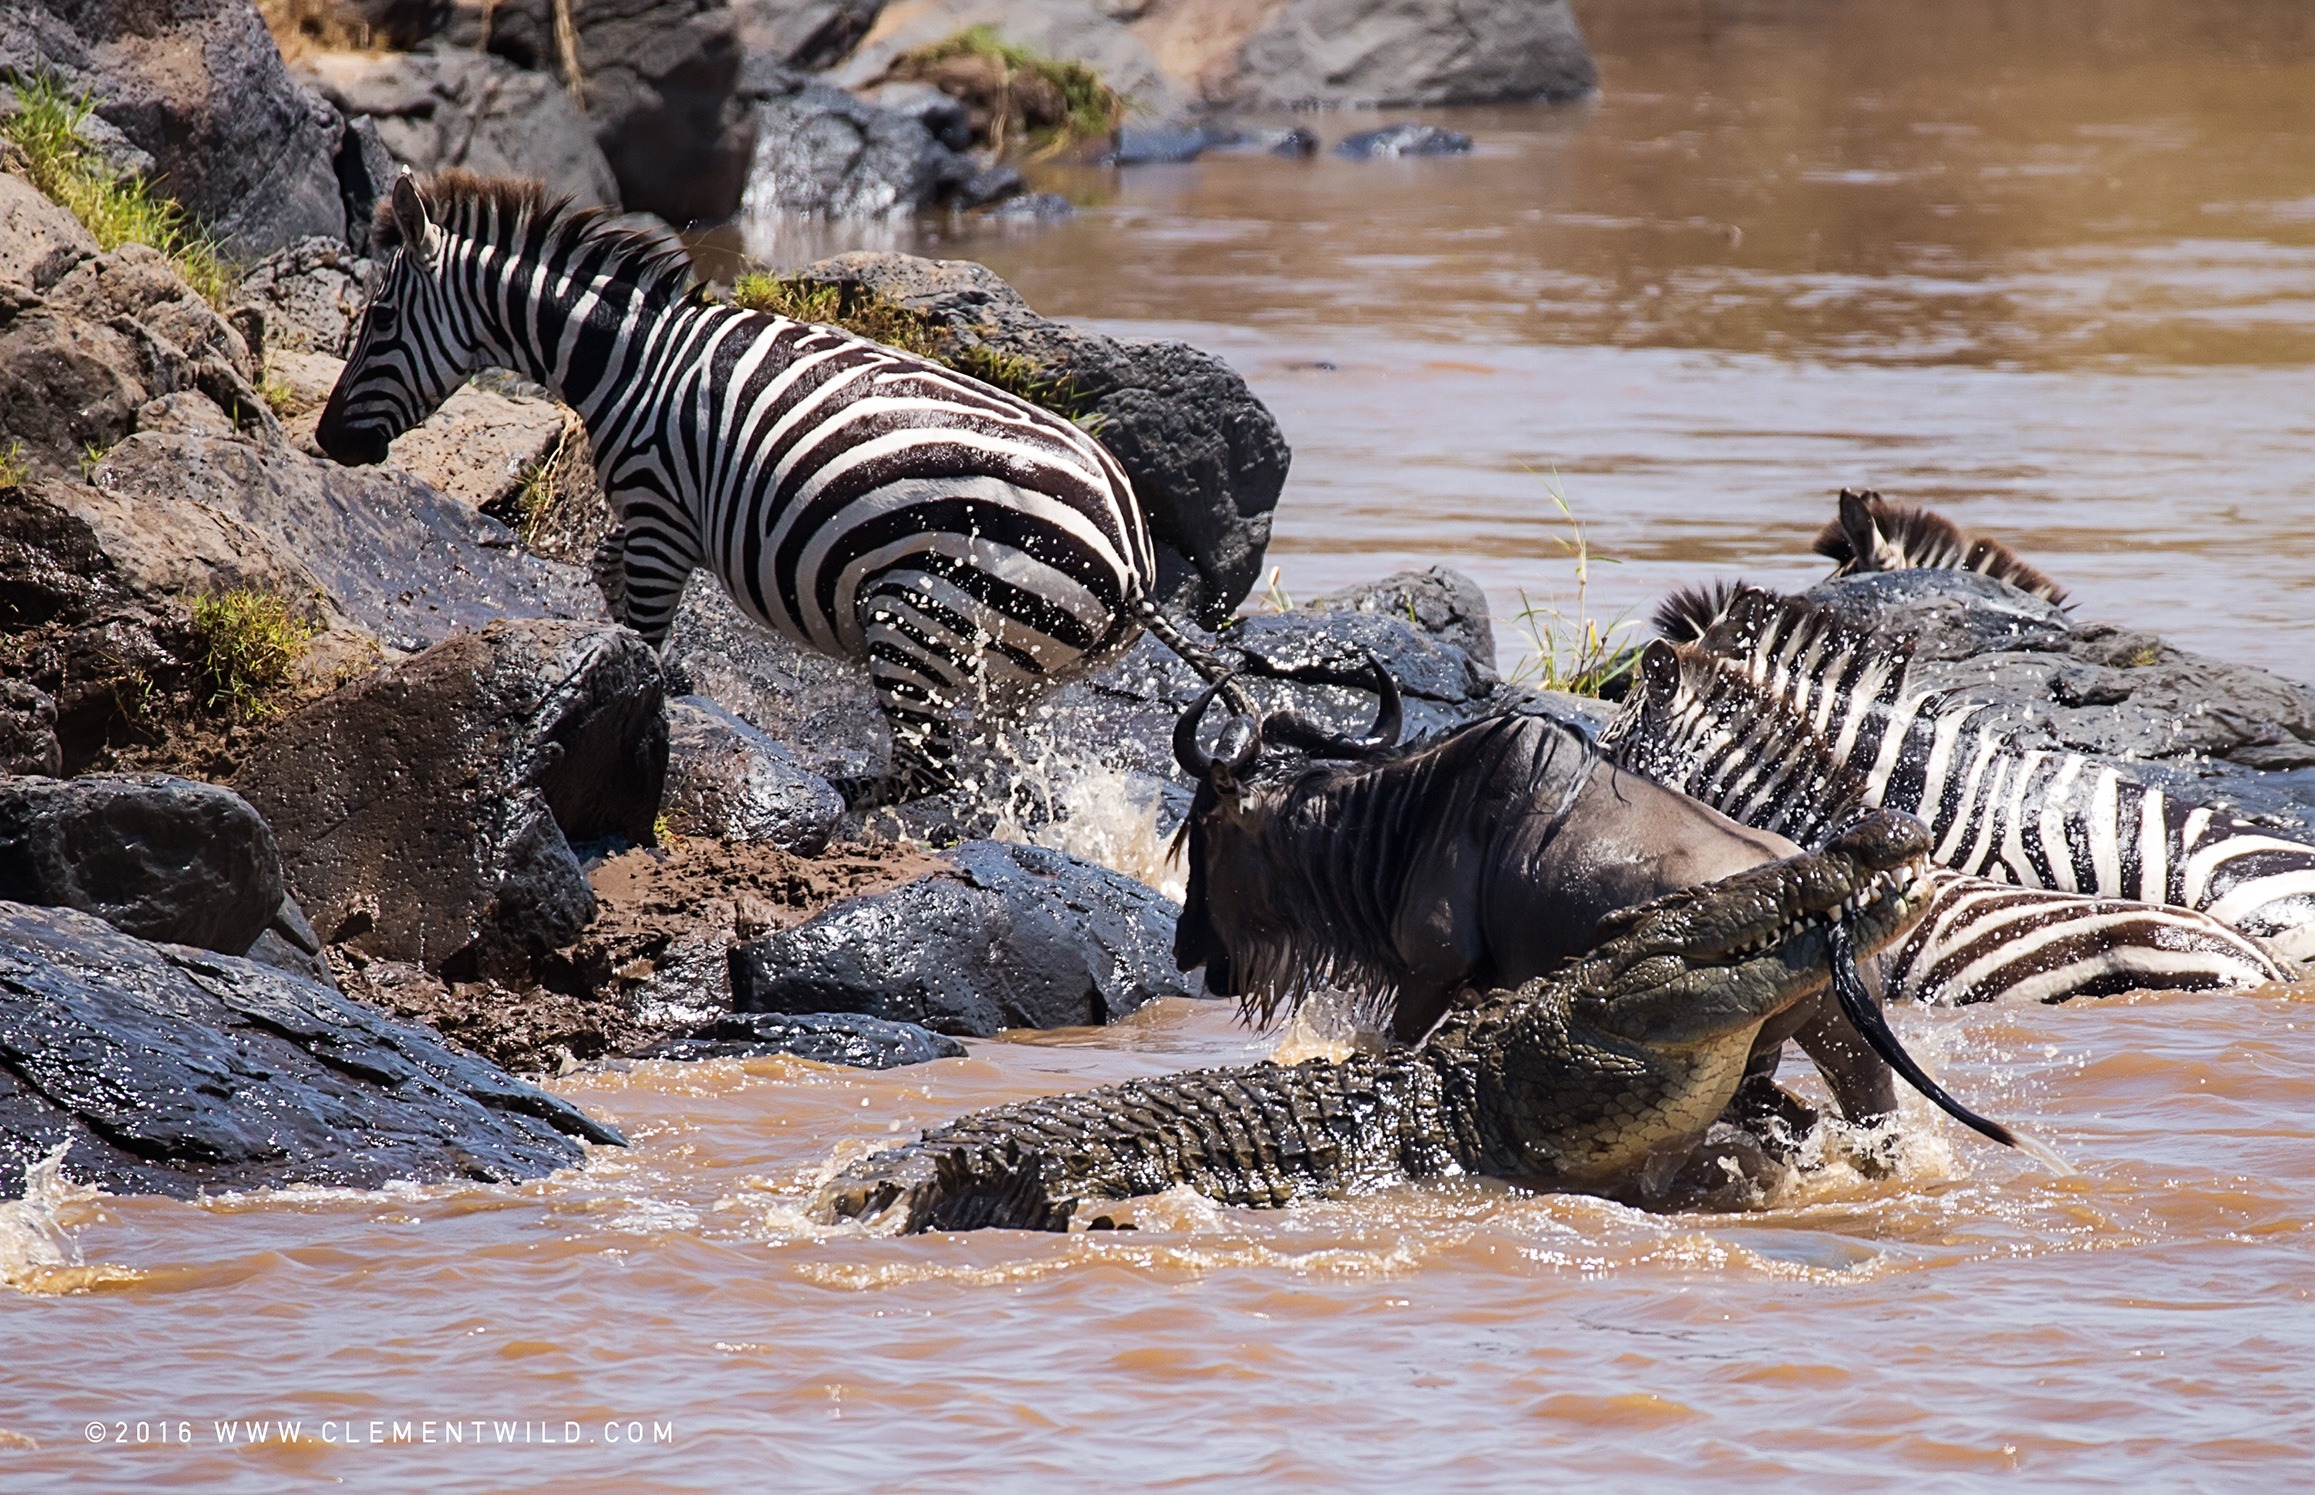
[38, 1253]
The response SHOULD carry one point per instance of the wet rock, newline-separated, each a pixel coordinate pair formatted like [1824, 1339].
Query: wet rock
[1308, 53]
[727, 780]
[155, 856]
[482, 446]
[28, 743]
[660, 80]
[1403, 140]
[946, 119]
[170, 1070]
[1296, 141]
[822, 709]
[1021, 937]
[822, 1037]
[427, 812]
[288, 943]
[309, 297]
[1147, 145]
[473, 111]
[804, 34]
[1443, 603]
[2217, 732]
[397, 557]
[823, 153]
[1029, 207]
[1204, 454]
[200, 88]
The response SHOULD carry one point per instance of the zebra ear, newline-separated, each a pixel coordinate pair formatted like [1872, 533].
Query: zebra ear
[410, 212]
[1660, 669]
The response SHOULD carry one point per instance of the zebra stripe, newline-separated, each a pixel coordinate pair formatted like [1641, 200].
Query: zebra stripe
[1698, 725]
[2032, 817]
[968, 547]
[1981, 941]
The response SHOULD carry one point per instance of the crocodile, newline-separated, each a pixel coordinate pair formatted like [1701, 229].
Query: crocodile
[1578, 1080]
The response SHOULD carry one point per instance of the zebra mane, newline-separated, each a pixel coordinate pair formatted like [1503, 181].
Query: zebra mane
[519, 217]
[1707, 728]
[1690, 612]
[1873, 534]
[1762, 628]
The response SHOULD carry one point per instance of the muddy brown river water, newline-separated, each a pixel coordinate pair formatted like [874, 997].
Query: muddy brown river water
[2049, 266]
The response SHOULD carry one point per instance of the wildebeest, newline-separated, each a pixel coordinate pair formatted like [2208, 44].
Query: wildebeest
[1479, 861]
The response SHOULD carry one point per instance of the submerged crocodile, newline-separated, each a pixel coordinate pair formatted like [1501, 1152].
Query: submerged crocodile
[1577, 1080]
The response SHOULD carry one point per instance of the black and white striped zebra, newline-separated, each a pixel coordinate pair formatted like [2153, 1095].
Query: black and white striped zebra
[1695, 723]
[970, 548]
[1869, 533]
[2031, 817]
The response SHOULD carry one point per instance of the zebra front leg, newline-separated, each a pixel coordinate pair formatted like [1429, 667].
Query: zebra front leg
[642, 565]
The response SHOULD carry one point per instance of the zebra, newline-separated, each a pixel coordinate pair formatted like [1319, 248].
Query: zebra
[1693, 724]
[1872, 534]
[2030, 817]
[965, 545]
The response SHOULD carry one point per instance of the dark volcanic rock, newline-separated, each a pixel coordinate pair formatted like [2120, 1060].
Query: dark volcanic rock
[309, 297]
[1446, 605]
[660, 80]
[396, 556]
[1022, 937]
[199, 87]
[1403, 140]
[824, 153]
[1205, 455]
[170, 1070]
[158, 857]
[427, 813]
[823, 1037]
[470, 110]
[820, 708]
[1336, 52]
[808, 34]
[2217, 732]
[729, 781]
[28, 742]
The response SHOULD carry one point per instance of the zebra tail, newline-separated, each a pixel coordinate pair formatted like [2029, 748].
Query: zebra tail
[1208, 665]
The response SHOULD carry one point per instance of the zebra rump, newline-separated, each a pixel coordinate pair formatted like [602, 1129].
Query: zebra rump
[2036, 817]
[1873, 534]
[1700, 724]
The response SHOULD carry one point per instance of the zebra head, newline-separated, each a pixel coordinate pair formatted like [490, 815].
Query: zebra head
[416, 343]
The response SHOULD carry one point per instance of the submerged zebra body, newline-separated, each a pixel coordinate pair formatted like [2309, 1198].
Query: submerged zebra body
[2035, 817]
[1698, 723]
[969, 548]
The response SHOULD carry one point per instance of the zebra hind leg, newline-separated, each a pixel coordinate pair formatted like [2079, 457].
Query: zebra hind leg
[921, 677]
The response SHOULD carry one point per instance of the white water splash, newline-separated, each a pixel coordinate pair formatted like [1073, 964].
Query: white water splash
[38, 1253]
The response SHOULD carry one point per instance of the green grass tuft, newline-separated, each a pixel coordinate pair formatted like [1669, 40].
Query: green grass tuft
[250, 645]
[896, 327]
[15, 468]
[116, 207]
[1571, 650]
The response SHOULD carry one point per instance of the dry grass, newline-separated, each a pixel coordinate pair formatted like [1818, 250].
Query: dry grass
[1020, 100]
[116, 207]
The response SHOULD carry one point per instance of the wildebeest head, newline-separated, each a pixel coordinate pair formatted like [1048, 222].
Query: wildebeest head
[1233, 911]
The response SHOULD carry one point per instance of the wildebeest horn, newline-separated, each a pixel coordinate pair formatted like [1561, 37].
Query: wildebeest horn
[1195, 761]
[1301, 732]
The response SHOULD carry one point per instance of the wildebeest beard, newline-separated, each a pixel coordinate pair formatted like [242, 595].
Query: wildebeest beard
[1318, 864]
